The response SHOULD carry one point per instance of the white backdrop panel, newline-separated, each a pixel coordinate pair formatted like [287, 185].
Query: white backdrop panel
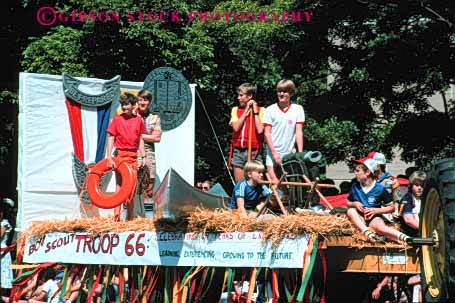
[46, 188]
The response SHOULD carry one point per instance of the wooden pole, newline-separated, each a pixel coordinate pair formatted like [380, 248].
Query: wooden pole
[275, 192]
[250, 133]
[319, 193]
[280, 203]
[300, 184]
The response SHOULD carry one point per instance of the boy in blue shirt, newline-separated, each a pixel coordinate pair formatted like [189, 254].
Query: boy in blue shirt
[248, 193]
[386, 179]
[365, 202]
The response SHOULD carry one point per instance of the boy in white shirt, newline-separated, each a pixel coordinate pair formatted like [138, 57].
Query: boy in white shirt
[283, 123]
[410, 203]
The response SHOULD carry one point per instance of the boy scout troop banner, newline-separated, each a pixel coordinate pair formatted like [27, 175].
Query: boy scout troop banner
[46, 148]
[234, 249]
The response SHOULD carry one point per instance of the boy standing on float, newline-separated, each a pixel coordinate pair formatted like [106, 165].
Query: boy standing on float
[283, 123]
[151, 136]
[125, 134]
[247, 137]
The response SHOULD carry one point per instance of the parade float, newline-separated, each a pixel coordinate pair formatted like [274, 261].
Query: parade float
[193, 249]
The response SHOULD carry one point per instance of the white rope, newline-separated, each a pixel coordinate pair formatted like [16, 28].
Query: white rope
[216, 137]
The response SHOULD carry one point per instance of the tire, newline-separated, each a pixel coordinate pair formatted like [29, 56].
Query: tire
[438, 217]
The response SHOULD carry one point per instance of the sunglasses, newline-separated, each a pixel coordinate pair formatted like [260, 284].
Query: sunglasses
[204, 187]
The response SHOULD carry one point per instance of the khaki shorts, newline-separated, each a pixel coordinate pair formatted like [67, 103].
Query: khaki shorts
[240, 156]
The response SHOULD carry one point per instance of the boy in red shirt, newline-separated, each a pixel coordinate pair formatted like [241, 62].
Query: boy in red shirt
[125, 134]
[247, 114]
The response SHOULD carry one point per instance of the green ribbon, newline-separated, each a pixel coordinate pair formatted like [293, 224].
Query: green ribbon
[108, 281]
[139, 281]
[166, 286]
[189, 283]
[26, 274]
[64, 282]
[307, 276]
[230, 280]
[287, 292]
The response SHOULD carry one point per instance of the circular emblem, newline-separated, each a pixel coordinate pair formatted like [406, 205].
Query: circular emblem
[171, 96]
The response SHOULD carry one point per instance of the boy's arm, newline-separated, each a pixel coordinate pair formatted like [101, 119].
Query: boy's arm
[355, 204]
[299, 137]
[142, 151]
[237, 124]
[377, 291]
[154, 137]
[110, 146]
[241, 207]
[268, 140]
[257, 111]
[155, 134]
[411, 220]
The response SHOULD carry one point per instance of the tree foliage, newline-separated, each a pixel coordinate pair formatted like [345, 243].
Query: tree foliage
[8, 139]
[364, 69]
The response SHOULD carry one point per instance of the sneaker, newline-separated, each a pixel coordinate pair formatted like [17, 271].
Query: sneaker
[371, 235]
[404, 239]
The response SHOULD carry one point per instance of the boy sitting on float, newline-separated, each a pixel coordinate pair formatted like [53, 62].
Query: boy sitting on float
[368, 200]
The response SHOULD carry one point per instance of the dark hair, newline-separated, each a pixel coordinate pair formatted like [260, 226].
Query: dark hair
[408, 171]
[365, 169]
[345, 187]
[128, 98]
[147, 95]
[48, 273]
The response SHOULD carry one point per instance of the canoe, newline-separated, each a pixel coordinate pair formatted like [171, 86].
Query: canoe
[175, 198]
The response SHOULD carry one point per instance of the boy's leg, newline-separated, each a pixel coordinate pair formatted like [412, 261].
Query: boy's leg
[149, 190]
[238, 174]
[118, 209]
[270, 167]
[357, 219]
[239, 158]
[271, 174]
[381, 228]
[150, 156]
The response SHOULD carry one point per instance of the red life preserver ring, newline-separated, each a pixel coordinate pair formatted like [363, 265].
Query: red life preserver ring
[103, 200]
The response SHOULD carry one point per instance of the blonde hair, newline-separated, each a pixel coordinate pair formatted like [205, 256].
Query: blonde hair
[253, 165]
[417, 177]
[247, 88]
[286, 86]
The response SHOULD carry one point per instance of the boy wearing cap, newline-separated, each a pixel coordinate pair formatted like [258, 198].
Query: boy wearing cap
[387, 180]
[368, 200]
[382, 175]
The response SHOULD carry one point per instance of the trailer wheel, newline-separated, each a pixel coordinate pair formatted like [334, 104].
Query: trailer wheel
[438, 220]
